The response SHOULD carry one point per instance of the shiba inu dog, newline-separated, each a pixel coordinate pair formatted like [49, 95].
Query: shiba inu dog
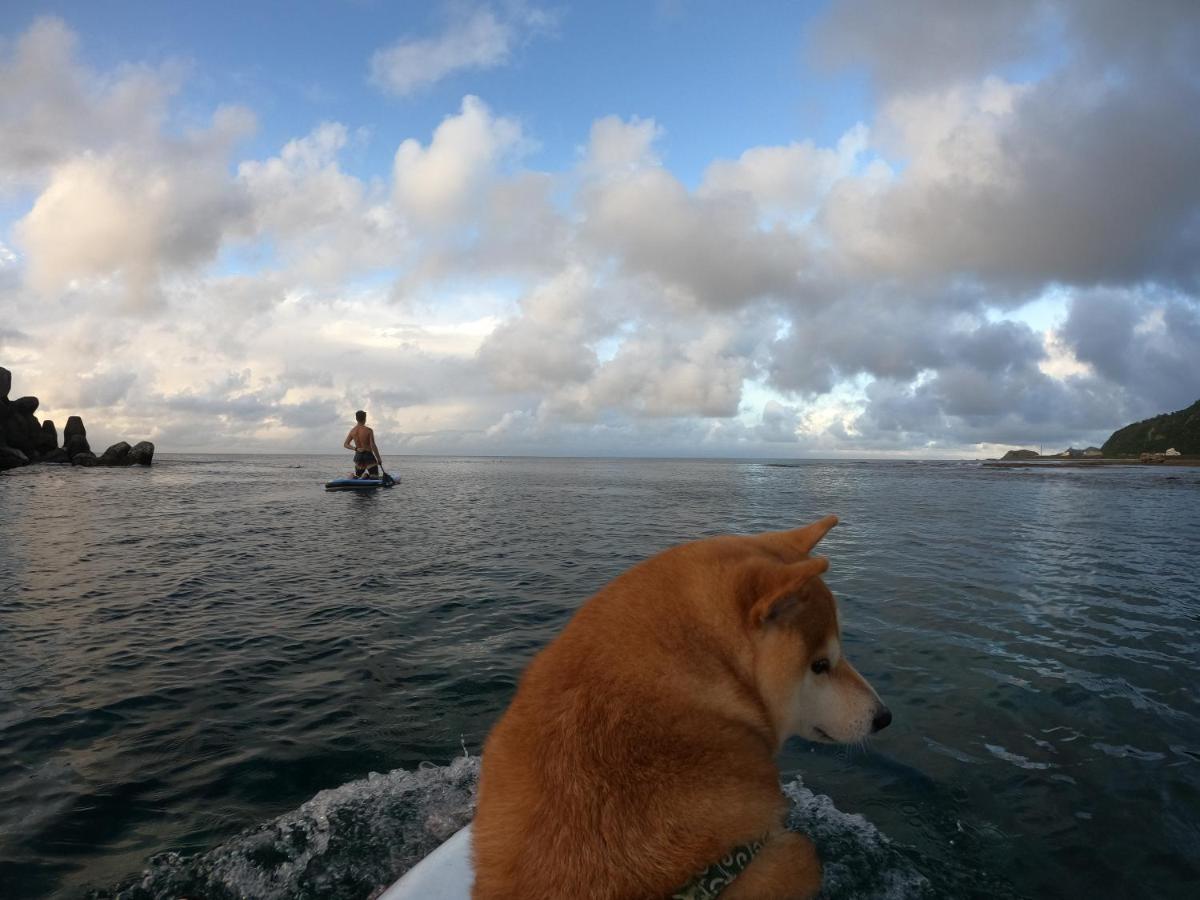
[639, 748]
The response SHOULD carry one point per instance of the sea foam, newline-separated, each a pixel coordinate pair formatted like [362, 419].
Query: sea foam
[353, 841]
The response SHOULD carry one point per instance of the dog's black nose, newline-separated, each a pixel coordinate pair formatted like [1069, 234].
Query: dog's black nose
[882, 719]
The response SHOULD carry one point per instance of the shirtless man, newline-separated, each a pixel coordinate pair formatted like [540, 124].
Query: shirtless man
[366, 453]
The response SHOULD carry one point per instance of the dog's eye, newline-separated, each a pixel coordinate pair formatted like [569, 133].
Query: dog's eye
[820, 667]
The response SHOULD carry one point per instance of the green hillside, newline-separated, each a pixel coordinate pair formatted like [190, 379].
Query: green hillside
[1180, 430]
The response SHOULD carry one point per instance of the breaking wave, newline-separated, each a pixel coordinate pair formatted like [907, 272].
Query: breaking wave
[353, 841]
[348, 842]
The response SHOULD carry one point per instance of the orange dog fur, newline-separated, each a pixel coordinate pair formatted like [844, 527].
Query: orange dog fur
[640, 745]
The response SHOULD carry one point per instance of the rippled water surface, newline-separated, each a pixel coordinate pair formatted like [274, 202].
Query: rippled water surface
[196, 649]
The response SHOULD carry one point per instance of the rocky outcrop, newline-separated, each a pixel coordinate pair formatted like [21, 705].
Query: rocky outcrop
[15, 449]
[74, 427]
[10, 434]
[121, 454]
[12, 458]
[1020, 454]
[116, 455]
[142, 453]
[75, 437]
[22, 430]
[49, 440]
[25, 440]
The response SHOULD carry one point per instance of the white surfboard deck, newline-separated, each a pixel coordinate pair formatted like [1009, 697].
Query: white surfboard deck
[445, 874]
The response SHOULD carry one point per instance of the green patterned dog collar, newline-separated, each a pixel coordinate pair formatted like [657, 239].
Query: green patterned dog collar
[709, 883]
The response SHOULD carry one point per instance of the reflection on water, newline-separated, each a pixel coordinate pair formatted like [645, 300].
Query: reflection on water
[199, 647]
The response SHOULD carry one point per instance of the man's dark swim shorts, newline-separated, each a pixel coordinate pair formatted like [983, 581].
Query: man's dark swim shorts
[364, 458]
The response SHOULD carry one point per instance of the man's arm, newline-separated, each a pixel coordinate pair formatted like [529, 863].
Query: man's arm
[375, 449]
[349, 437]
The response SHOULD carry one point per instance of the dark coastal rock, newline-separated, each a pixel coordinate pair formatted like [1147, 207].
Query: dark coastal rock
[76, 444]
[33, 434]
[12, 434]
[116, 455]
[142, 453]
[74, 427]
[12, 458]
[1020, 454]
[25, 440]
[19, 428]
[10, 431]
[49, 442]
[75, 437]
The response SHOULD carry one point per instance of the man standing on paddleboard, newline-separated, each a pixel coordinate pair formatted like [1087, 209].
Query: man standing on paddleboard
[367, 457]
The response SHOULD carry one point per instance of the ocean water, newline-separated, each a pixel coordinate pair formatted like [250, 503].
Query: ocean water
[203, 663]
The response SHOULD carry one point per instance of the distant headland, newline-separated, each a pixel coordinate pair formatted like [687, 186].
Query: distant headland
[25, 440]
[1168, 439]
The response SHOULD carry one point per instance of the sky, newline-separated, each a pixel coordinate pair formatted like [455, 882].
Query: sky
[906, 228]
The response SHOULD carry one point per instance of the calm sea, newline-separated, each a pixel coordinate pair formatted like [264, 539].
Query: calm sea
[189, 653]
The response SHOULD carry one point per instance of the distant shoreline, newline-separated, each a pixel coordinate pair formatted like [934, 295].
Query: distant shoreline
[1052, 463]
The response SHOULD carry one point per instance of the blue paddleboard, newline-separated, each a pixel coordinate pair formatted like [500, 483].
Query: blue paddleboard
[358, 484]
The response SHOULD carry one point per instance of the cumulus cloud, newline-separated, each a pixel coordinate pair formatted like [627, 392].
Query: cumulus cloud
[617, 147]
[987, 190]
[871, 294]
[478, 41]
[136, 212]
[436, 185]
[53, 107]
[324, 221]
[1134, 357]
[882, 332]
[791, 180]
[1088, 174]
[1068, 180]
[1147, 343]
[118, 197]
[99, 390]
[548, 345]
[710, 250]
[1021, 408]
[654, 375]
[780, 423]
[923, 44]
[303, 185]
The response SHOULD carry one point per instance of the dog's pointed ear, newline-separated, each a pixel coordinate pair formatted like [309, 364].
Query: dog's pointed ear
[783, 595]
[799, 541]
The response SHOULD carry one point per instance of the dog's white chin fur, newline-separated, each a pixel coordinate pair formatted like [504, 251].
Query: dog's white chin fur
[819, 735]
[826, 715]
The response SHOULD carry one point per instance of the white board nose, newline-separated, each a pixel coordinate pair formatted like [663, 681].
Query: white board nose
[445, 874]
